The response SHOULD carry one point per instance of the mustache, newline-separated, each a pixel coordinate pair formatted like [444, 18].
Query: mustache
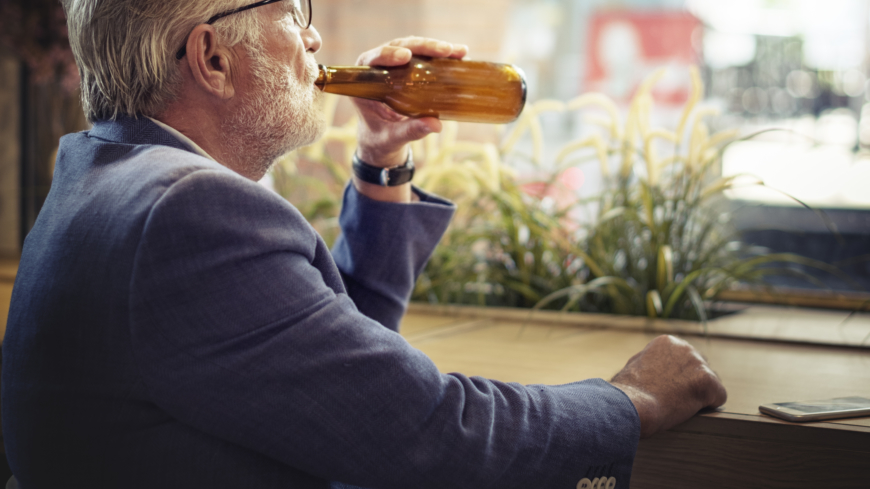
[312, 69]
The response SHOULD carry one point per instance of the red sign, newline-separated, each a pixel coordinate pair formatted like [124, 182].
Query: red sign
[626, 47]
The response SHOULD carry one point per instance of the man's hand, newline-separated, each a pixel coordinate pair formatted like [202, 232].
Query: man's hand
[383, 134]
[669, 382]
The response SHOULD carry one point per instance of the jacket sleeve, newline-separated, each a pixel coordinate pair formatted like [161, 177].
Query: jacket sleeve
[383, 248]
[237, 334]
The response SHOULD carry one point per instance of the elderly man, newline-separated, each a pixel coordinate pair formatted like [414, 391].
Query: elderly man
[176, 325]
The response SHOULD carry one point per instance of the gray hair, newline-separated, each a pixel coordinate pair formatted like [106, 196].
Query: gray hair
[125, 49]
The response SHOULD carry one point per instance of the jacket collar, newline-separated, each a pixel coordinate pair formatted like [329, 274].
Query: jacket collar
[135, 130]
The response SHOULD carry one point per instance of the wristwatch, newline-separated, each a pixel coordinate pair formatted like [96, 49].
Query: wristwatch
[385, 177]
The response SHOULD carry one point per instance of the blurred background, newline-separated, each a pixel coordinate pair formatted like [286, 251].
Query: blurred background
[795, 71]
[797, 65]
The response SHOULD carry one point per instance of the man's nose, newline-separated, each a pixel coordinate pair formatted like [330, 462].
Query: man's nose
[312, 39]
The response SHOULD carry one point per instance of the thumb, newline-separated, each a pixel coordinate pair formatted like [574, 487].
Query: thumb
[716, 395]
[416, 129]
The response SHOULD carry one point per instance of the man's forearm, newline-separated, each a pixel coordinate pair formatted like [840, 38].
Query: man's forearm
[400, 194]
[384, 246]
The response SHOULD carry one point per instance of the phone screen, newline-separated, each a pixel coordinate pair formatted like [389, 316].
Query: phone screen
[828, 405]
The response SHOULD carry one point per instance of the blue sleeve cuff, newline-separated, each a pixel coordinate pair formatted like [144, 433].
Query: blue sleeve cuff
[611, 425]
[383, 248]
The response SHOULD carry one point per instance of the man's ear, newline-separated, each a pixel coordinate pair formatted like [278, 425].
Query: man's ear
[209, 63]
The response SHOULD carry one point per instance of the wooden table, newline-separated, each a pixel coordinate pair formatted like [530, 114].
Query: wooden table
[735, 447]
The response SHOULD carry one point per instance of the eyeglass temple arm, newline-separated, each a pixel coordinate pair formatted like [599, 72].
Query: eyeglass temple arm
[181, 52]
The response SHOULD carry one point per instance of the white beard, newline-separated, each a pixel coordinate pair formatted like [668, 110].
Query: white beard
[284, 113]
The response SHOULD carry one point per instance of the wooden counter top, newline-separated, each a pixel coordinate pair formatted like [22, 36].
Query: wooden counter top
[706, 451]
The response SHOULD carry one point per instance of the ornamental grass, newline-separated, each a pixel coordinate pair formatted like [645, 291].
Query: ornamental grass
[659, 242]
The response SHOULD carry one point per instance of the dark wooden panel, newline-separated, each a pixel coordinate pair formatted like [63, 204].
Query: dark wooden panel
[722, 453]
[842, 434]
[10, 156]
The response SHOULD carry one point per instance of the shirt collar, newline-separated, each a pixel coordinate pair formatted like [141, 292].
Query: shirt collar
[182, 138]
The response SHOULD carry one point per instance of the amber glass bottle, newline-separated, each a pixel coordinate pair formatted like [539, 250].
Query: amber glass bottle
[449, 89]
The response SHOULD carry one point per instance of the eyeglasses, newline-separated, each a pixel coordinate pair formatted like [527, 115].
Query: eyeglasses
[301, 15]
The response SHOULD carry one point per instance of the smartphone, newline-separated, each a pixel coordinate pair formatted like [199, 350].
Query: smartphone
[802, 411]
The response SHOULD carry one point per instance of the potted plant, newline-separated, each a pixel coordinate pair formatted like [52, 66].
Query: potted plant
[659, 245]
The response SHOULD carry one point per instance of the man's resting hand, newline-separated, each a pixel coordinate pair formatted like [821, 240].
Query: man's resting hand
[669, 382]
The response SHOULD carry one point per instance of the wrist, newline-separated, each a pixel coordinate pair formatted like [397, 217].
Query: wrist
[383, 159]
[384, 183]
[645, 405]
[401, 194]
[384, 176]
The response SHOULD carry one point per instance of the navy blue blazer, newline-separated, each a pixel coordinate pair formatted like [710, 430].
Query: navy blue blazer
[175, 325]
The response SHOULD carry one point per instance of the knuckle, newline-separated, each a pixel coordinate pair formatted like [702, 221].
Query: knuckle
[661, 339]
[668, 342]
[408, 40]
[415, 132]
[676, 340]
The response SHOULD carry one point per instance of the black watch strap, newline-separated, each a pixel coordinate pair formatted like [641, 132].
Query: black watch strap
[385, 177]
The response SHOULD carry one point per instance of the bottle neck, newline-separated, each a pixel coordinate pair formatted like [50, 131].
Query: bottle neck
[356, 81]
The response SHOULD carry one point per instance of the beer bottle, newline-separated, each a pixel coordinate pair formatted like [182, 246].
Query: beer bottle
[449, 89]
